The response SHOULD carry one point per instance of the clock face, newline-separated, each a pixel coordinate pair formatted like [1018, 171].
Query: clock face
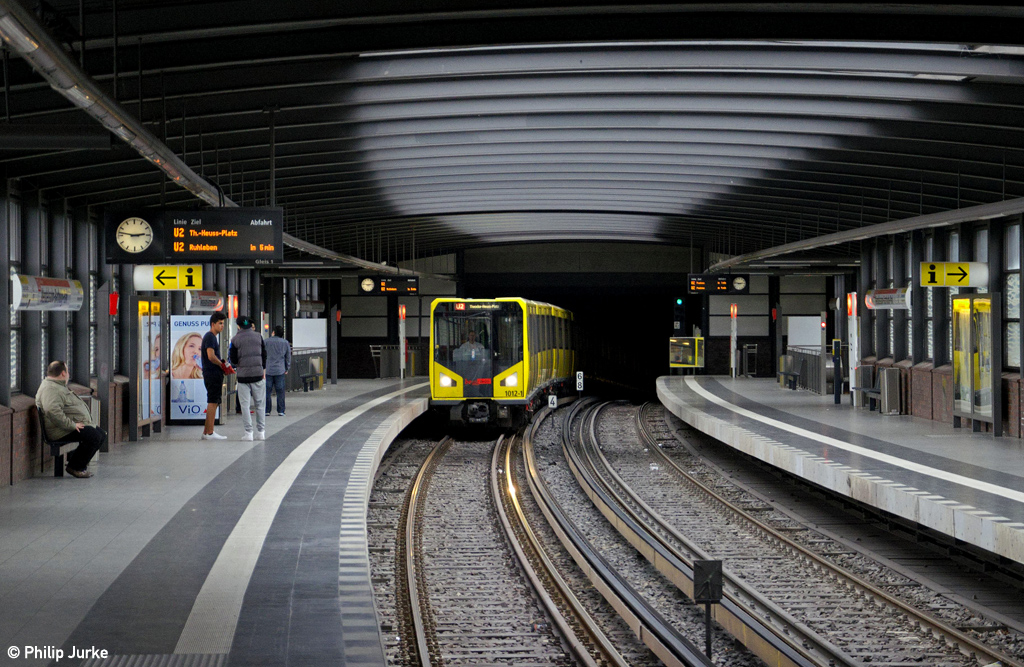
[134, 235]
[739, 282]
[367, 284]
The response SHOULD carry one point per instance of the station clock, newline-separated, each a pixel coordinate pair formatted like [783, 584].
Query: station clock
[134, 235]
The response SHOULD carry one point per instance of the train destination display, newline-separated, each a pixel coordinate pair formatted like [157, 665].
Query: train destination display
[158, 236]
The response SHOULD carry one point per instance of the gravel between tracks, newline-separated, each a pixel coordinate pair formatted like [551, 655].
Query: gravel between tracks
[898, 585]
[648, 582]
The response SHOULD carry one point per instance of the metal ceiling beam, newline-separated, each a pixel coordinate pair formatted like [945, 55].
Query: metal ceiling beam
[22, 32]
[943, 219]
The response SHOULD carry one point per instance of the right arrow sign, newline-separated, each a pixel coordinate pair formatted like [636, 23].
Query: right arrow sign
[954, 274]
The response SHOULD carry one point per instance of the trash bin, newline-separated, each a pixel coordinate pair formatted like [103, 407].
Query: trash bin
[750, 359]
[889, 385]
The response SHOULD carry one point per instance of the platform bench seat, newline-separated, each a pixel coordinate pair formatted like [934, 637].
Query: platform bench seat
[872, 394]
[314, 378]
[791, 377]
[58, 448]
[310, 381]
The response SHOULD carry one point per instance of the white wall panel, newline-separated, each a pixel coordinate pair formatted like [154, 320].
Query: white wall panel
[745, 326]
[758, 284]
[361, 306]
[747, 304]
[802, 284]
[364, 327]
[802, 304]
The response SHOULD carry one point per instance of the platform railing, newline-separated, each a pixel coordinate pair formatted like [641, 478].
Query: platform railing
[810, 363]
[302, 364]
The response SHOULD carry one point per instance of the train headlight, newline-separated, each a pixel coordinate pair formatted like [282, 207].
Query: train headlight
[446, 381]
[512, 380]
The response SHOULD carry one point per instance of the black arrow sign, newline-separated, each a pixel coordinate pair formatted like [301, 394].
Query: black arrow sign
[160, 277]
[962, 274]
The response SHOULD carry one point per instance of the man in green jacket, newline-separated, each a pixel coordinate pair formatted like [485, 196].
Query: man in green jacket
[67, 417]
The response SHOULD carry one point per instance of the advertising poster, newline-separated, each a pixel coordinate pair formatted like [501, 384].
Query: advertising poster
[188, 393]
[155, 347]
[144, 381]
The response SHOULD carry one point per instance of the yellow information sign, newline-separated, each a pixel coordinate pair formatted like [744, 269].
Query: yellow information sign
[176, 277]
[954, 274]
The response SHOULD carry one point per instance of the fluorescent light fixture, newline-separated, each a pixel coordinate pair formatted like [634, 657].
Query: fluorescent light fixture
[79, 97]
[998, 48]
[15, 35]
[941, 77]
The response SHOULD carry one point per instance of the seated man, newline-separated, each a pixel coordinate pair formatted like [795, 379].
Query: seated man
[67, 417]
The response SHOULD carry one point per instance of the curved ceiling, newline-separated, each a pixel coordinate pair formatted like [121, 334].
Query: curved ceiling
[405, 132]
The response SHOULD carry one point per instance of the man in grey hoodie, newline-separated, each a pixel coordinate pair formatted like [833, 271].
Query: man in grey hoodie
[249, 356]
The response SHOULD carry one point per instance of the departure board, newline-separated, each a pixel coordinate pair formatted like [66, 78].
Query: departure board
[389, 285]
[215, 235]
[703, 283]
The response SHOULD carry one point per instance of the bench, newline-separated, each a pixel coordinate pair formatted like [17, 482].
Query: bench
[314, 378]
[57, 448]
[791, 378]
[873, 394]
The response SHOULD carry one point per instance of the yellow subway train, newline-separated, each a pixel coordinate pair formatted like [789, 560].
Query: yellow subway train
[495, 361]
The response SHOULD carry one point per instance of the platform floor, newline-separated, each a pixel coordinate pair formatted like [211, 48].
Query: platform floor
[966, 485]
[187, 552]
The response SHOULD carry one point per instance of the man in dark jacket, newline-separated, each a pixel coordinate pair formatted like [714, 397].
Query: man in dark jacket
[65, 416]
[249, 356]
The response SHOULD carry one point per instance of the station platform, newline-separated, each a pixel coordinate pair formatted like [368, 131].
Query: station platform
[967, 485]
[188, 552]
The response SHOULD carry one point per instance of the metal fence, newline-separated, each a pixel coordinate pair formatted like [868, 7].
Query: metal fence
[815, 367]
[305, 360]
[387, 360]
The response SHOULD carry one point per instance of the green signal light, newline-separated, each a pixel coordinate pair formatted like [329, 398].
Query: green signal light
[679, 302]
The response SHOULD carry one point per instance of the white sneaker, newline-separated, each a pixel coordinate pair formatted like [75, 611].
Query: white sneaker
[214, 436]
[246, 436]
[261, 435]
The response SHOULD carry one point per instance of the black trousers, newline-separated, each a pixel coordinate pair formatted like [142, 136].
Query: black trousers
[91, 439]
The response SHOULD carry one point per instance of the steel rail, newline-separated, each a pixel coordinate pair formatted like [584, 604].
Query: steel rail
[647, 624]
[964, 642]
[414, 580]
[577, 627]
[788, 644]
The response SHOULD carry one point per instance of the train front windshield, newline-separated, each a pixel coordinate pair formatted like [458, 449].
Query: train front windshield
[478, 341]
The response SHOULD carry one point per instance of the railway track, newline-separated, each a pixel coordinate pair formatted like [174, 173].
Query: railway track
[467, 601]
[799, 608]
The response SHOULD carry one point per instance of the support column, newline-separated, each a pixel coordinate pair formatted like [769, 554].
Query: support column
[58, 261]
[899, 317]
[917, 299]
[84, 317]
[31, 320]
[881, 281]
[5, 305]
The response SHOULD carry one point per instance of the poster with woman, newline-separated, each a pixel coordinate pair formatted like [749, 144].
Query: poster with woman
[188, 393]
[156, 393]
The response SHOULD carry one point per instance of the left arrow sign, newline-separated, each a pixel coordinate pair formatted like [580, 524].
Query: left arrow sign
[162, 277]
